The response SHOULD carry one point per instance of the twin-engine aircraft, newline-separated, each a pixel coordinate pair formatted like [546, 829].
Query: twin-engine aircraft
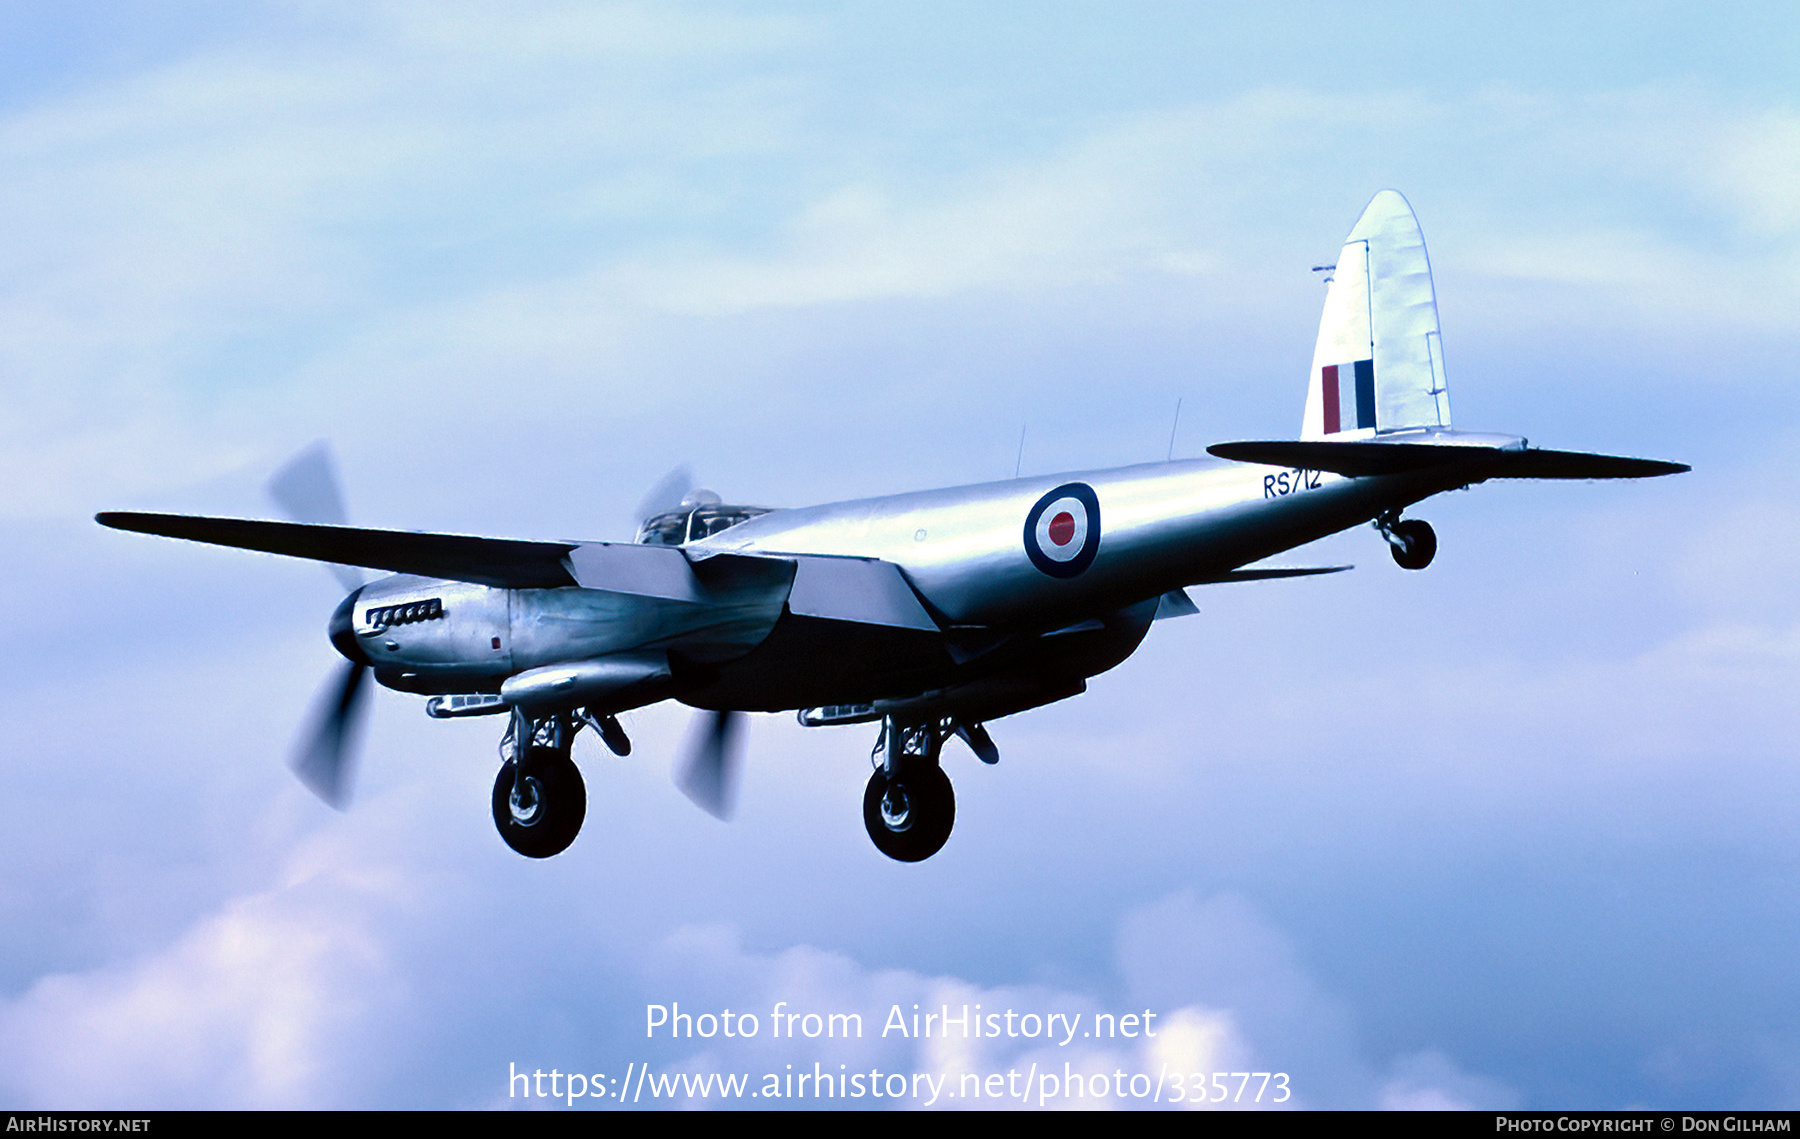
[932, 613]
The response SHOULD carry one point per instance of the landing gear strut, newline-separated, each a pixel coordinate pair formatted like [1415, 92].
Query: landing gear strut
[539, 797]
[909, 805]
[1412, 542]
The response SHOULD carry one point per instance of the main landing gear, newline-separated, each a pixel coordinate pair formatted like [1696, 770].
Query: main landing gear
[909, 806]
[1412, 542]
[540, 800]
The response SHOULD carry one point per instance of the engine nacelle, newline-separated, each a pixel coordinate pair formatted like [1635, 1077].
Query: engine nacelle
[428, 636]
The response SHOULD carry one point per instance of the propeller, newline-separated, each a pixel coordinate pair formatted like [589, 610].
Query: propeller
[325, 760]
[707, 774]
[666, 494]
[305, 489]
[708, 768]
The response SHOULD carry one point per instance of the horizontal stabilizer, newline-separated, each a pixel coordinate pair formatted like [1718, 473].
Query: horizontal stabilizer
[1366, 458]
[1535, 464]
[1270, 573]
[503, 562]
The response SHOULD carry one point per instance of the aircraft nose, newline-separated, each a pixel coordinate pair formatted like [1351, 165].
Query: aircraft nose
[343, 630]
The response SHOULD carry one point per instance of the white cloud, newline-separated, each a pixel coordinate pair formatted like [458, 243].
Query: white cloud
[246, 1009]
[266, 231]
[313, 993]
[1429, 1081]
[1753, 165]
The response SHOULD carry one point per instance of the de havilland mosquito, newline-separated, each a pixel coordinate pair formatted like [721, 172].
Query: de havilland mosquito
[931, 613]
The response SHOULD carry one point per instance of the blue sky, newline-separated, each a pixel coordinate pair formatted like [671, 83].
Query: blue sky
[1514, 831]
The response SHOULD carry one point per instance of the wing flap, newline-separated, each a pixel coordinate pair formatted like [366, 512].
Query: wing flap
[645, 571]
[865, 590]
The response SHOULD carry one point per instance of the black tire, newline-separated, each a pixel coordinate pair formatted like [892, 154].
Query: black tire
[1418, 544]
[927, 812]
[558, 811]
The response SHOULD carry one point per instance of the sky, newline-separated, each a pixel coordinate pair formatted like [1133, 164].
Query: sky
[1514, 832]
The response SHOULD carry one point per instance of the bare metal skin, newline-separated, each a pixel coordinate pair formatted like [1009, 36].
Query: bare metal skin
[932, 612]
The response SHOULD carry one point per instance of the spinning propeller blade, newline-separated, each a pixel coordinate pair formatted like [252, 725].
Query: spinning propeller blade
[306, 490]
[325, 759]
[708, 772]
[666, 495]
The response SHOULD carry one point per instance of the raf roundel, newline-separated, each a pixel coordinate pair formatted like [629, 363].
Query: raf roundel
[1062, 531]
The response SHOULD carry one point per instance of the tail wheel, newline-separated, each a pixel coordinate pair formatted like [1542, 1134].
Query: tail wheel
[1414, 544]
[540, 815]
[910, 817]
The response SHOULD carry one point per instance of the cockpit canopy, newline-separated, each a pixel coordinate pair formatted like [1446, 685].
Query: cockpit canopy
[700, 515]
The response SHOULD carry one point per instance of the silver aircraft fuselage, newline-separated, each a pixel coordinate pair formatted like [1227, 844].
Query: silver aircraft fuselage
[1162, 526]
[1006, 635]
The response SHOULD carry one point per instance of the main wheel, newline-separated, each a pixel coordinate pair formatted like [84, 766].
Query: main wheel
[1418, 544]
[545, 815]
[910, 818]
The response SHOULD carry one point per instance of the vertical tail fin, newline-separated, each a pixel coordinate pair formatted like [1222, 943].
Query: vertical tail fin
[1379, 362]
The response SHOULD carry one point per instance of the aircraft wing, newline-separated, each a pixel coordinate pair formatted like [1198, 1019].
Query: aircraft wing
[862, 590]
[502, 562]
[1360, 458]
